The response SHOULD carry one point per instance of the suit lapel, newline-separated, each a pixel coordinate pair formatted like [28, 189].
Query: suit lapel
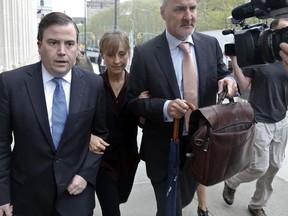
[200, 50]
[37, 97]
[164, 58]
[201, 56]
[76, 99]
[36, 93]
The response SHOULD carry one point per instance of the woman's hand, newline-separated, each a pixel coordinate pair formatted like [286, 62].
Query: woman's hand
[97, 145]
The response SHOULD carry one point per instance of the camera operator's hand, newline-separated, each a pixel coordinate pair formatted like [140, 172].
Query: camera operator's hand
[284, 54]
[243, 81]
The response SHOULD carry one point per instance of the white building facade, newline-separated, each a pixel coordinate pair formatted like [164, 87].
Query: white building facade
[18, 37]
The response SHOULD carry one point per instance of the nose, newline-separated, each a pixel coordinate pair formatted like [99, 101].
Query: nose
[61, 49]
[116, 59]
[188, 14]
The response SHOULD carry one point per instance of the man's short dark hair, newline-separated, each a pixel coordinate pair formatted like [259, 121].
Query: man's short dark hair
[55, 18]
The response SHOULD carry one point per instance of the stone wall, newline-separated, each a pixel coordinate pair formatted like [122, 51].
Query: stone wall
[18, 33]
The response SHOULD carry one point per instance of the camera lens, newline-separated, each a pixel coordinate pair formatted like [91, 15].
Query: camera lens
[269, 41]
[265, 46]
[279, 36]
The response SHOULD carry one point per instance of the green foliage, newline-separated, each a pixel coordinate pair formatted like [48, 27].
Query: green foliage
[141, 17]
[142, 20]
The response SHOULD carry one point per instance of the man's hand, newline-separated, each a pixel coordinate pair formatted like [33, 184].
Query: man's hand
[6, 210]
[77, 185]
[144, 94]
[177, 108]
[97, 145]
[230, 84]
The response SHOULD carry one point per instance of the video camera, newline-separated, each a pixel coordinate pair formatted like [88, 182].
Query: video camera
[256, 44]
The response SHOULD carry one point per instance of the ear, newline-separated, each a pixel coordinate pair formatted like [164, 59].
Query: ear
[38, 44]
[162, 12]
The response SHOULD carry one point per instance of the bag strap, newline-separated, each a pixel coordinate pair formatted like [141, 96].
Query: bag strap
[222, 95]
[176, 123]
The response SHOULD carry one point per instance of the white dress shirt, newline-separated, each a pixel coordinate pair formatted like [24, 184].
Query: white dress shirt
[49, 88]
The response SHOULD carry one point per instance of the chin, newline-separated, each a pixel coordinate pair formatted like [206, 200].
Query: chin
[188, 32]
[182, 36]
[61, 72]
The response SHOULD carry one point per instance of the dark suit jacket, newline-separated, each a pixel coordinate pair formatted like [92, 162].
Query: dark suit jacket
[152, 69]
[34, 177]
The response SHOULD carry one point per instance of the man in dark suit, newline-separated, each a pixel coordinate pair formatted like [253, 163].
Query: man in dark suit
[38, 177]
[157, 67]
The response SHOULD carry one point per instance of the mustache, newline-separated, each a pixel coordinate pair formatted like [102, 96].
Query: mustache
[186, 22]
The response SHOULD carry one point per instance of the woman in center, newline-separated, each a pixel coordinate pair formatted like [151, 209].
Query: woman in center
[120, 158]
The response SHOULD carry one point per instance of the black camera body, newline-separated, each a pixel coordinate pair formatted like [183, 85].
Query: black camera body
[256, 44]
[261, 9]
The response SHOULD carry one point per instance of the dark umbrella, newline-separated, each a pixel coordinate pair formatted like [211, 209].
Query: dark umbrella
[173, 167]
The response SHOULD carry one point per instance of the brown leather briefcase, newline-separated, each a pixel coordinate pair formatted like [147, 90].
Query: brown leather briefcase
[221, 140]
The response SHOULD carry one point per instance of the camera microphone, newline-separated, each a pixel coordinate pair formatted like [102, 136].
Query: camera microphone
[244, 11]
[248, 10]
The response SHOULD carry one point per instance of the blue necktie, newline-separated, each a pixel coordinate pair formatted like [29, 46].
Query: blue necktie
[59, 112]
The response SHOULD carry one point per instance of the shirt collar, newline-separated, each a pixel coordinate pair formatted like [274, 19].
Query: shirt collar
[48, 77]
[174, 42]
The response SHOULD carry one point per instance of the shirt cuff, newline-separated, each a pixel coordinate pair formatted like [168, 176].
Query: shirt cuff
[167, 118]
